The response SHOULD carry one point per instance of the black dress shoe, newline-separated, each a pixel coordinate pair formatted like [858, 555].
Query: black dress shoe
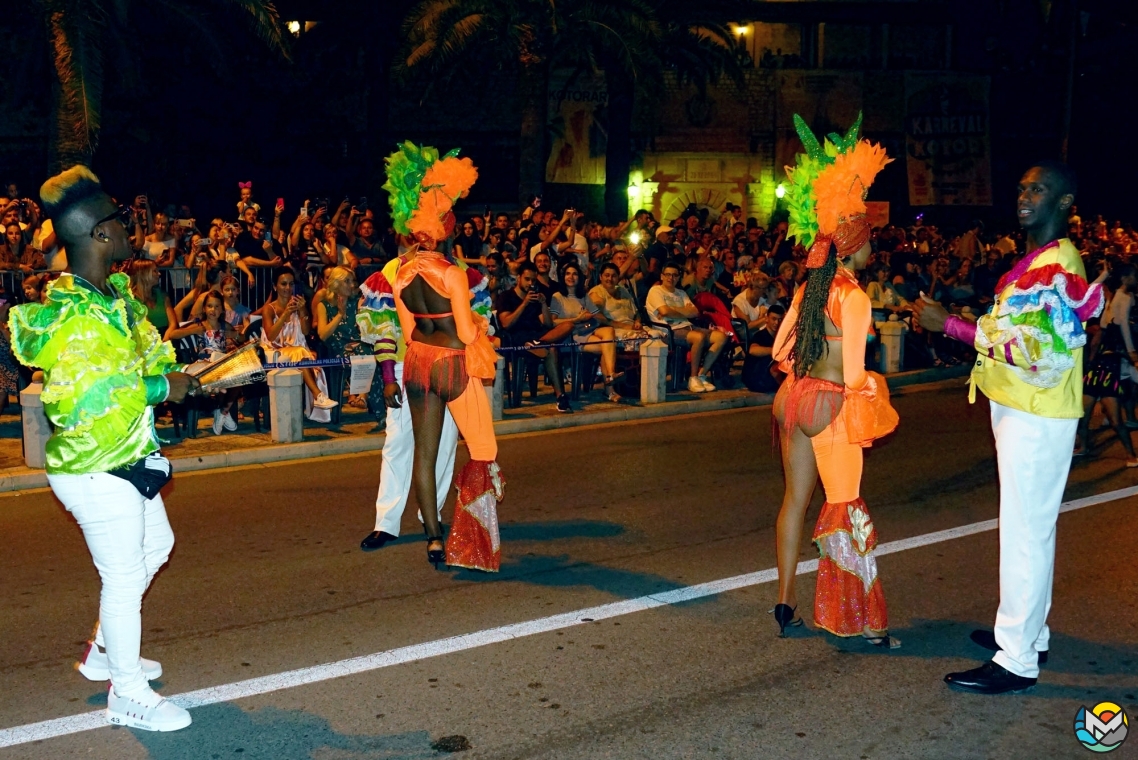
[987, 639]
[989, 678]
[376, 540]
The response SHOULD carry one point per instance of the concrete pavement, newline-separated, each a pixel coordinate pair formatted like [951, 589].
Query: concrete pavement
[267, 577]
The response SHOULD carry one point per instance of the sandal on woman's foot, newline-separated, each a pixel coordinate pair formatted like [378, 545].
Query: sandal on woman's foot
[885, 642]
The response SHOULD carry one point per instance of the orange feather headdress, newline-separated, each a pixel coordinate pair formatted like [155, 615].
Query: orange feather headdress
[827, 191]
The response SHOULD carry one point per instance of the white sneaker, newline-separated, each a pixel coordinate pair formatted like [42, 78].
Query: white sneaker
[95, 667]
[217, 424]
[323, 402]
[147, 710]
[228, 422]
[707, 386]
[695, 385]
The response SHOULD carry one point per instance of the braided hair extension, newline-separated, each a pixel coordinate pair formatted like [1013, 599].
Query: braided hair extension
[810, 329]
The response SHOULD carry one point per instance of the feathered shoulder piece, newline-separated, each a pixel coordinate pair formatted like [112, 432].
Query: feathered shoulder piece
[828, 186]
[423, 187]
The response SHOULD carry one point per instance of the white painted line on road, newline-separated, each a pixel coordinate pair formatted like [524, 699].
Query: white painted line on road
[252, 687]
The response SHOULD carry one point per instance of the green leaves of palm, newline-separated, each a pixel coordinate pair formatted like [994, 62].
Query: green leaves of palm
[82, 33]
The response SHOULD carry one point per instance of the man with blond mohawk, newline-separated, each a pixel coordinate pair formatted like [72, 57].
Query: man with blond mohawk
[105, 367]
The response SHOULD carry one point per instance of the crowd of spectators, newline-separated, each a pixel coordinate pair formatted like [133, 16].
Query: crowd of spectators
[715, 285]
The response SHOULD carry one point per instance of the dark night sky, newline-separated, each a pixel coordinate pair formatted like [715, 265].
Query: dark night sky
[188, 115]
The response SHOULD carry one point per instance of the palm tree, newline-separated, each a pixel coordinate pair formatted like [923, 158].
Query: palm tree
[695, 46]
[529, 38]
[83, 33]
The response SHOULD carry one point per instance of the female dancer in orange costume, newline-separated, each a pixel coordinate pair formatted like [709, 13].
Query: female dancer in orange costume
[448, 356]
[829, 407]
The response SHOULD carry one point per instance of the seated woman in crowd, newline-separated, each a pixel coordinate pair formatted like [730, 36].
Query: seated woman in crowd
[467, 246]
[15, 253]
[574, 308]
[962, 288]
[285, 319]
[336, 310]
[160, 246]
[668, 304]
[144, 285]
[217, 337]
[883, 296]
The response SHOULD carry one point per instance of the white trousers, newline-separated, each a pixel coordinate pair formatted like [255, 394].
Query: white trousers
[129, 539]
[398, 458]
[1034, 457]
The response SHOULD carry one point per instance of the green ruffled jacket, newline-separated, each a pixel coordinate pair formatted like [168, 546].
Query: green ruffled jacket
[103, 371]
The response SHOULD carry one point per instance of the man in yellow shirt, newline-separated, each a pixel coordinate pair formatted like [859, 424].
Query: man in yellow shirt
[1030, 366]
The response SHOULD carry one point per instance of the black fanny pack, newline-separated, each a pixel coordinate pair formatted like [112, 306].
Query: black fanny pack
[149, 474]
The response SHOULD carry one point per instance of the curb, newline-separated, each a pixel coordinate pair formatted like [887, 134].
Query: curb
[22, 478]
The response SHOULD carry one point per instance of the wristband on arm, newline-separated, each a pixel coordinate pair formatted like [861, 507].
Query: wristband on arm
[387, 371]
[157, 389]
[960, 329]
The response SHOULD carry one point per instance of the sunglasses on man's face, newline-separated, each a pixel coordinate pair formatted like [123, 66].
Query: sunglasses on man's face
[124, 214]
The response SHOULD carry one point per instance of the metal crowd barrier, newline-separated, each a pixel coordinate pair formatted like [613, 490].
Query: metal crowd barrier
[175, 281]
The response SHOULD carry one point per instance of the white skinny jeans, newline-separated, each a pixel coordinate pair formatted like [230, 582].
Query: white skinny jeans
[1034, 457]
[129, 539]
[397, 459]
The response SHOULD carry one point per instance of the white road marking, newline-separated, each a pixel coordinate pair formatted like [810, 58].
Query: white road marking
[49, 729]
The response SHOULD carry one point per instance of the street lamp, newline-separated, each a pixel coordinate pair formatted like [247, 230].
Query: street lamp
[294, 27]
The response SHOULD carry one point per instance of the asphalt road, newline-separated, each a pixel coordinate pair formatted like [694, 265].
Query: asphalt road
[267, 577]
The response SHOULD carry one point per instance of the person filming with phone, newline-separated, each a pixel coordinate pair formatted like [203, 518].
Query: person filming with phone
[526, 320]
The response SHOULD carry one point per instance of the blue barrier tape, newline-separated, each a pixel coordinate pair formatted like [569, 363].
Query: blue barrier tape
[344, 362]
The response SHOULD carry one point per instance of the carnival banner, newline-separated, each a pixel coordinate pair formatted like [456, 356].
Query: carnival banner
[877, 213]
[948, 150]
[577, 117]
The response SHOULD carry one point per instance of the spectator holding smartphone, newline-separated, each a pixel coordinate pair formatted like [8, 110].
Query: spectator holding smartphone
[286, 320]
[160, 246]
[254, 249]
[526, 320]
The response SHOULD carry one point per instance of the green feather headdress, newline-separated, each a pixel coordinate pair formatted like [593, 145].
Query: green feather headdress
[800, 199]
[406, 169]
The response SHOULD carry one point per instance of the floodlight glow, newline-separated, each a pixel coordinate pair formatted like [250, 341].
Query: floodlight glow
[634, 238]
[294, 27]
[739, 30]
[780, 191]
[634, 191]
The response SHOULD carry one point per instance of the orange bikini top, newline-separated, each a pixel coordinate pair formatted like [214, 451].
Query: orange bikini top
[433, 267]
[844, 283]
[429, 265]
